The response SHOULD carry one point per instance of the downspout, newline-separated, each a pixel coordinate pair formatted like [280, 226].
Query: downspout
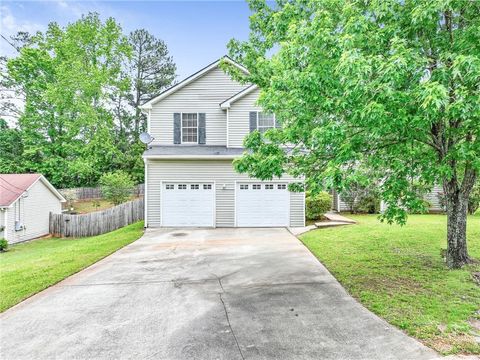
[145, 195]
[5, 226]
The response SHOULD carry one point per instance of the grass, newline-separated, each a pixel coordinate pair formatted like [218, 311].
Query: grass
[88, 206]
[398, 273]
[33, 266]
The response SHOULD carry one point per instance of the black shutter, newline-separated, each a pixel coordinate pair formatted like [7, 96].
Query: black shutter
[201, 129]
[253, 121]
[177, 129]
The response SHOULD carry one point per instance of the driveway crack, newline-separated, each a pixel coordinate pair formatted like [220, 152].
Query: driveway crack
[228, 319]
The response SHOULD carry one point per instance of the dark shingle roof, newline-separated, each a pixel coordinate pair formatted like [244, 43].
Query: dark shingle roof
[193, 150]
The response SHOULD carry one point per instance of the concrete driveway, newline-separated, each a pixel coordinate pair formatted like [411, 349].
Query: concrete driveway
[202, 294]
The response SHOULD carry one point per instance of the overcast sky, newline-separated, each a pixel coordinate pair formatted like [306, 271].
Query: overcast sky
[196, 32]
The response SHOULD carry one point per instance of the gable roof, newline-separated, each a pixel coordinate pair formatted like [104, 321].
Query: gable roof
[13, 186]
[227, 103]
[188, 80]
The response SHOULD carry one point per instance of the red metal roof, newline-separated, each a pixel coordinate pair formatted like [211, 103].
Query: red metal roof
[12, 186]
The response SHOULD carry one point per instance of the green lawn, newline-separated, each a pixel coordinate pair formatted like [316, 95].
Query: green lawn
[398, 273]
[33, 266]
[88, 206]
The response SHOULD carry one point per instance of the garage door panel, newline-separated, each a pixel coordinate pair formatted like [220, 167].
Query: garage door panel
[260, 204]
[188, 204]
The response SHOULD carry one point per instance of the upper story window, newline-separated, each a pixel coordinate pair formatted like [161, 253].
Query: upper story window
[189, 127]
[265, 121]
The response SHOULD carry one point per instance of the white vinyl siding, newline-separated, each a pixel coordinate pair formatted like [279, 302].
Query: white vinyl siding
[200, 96]
[219, 171]
[238, 118]
[432, 197]
[33, 212]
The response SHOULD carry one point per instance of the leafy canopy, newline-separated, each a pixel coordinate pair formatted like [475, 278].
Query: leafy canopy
[391, 85]
[116, 186]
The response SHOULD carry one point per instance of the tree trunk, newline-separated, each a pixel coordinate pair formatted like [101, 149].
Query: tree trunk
[457, 205]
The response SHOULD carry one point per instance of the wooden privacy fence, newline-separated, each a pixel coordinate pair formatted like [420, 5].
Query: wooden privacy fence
[86, 193]
[96, 223]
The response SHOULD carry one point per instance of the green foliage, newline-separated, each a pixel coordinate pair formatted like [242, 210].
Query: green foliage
[361, 192]
[388, 85]
[82, 85]
[3, 245]
[116, 186]
[65, 74]
[316, 205]
[369, 203]
[474, 199]
[11, 145]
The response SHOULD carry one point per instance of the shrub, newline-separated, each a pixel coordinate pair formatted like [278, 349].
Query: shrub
[369, 203]
[474, 199]
[116, 186]
[362, 199]
[3, 245]
[317, 205]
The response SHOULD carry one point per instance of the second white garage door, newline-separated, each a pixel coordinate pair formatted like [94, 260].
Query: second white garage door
[188, 204]
[262, 204]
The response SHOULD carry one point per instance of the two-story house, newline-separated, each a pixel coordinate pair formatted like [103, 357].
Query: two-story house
[198, 126]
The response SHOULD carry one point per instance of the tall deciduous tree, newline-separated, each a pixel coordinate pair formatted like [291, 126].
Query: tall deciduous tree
[11, 149]
[66, 76]
[393, 85]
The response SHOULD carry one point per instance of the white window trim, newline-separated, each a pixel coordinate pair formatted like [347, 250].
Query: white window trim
[274, 122]
[181, 128]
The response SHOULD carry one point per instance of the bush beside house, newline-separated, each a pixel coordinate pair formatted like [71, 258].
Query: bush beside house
[3, 245]
[317, 205]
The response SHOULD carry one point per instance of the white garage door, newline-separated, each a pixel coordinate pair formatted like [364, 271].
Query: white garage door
[261, 204]
[188, 204]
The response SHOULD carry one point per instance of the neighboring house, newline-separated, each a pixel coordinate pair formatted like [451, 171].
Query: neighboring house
[26, 201]
[432, 197]
[199, 125]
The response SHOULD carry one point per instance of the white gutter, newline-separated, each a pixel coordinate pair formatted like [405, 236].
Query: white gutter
[191, 157]
[5, 225]
[145, 195]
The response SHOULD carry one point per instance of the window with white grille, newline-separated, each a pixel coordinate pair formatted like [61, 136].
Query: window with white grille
[189, 128]
[265, 121]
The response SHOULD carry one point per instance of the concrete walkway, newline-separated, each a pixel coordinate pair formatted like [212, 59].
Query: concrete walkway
[202, 294]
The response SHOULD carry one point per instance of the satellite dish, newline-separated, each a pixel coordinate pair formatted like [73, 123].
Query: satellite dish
[146, 138]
